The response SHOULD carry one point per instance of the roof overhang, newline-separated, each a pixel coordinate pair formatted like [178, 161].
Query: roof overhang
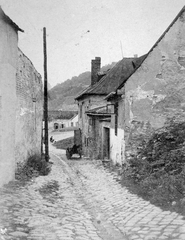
[107, 119]
[100, 111]
[9, 21]
[113, 95]
[81, 97]
[99, 114]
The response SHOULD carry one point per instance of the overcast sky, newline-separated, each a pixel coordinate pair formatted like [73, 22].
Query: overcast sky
[79, 30]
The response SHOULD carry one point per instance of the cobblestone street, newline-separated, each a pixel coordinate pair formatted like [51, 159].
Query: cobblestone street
[81, 200]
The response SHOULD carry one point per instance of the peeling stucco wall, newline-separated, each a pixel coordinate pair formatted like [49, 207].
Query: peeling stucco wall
[29, 109]
[117, 146]
[8, 64]
[117, 141]
[93, 142]
[155, 93]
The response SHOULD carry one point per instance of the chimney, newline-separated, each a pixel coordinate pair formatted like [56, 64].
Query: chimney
[95, 68]
[135, 56]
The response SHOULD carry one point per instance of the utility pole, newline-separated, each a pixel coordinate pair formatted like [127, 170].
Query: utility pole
[45, 98]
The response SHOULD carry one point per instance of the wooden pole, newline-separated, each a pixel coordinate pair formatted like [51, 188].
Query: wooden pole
[45, 99]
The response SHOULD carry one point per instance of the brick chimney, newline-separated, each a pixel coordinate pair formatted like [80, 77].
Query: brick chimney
[95, 68]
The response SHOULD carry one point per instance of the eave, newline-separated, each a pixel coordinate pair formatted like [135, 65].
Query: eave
[100, 114]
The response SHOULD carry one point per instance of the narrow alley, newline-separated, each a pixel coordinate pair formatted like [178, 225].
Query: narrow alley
[81, 200]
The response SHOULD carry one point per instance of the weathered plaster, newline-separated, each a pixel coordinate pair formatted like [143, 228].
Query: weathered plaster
[29, 110]
[117, 142]
[154, 94]
[117, 146]
[8, 62]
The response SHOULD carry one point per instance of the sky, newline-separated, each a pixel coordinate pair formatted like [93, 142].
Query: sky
[80, 30]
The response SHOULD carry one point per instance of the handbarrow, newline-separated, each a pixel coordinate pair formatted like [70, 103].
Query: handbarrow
[77, 147]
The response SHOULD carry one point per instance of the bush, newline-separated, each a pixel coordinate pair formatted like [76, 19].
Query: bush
[158, 168]
[33, 167]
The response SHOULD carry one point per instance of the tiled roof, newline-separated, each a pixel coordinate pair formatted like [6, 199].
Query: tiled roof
[116, 76]
[119, 74]
[112, 80]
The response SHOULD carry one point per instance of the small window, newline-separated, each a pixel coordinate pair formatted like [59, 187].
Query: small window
[90, 121]
[86, 141]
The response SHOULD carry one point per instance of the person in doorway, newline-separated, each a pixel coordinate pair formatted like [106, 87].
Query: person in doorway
[51, 139]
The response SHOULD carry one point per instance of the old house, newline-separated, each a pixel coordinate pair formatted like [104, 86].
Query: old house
[74, 121]
[153, 96]
[94, 113]
[88, 99]
[59, 124]
[20, 102]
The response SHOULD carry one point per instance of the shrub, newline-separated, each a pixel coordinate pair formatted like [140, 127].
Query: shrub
[33, 167]
[158, 168]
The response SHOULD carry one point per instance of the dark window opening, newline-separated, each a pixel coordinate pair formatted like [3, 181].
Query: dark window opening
[116, 118]
[80, 111]
[56, 126]
[106, 143]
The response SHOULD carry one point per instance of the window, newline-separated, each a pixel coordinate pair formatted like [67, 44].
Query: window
[86, 141]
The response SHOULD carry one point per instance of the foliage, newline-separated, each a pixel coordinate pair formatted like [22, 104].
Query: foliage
[157, 171]
[62, 95]
[33, 167]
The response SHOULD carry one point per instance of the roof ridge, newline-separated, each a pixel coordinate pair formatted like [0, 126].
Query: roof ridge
[118, 63]
[156, 43]
[82, 92]
[110, 71]
[102, 79]
[9, 20]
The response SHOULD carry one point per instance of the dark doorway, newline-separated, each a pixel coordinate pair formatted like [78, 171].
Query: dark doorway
[55, 126]
[106, 143]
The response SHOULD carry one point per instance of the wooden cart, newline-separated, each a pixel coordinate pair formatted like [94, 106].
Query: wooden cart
[77, 147]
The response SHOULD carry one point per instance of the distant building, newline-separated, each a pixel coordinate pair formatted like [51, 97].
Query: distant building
[74, 121]
[64, 123]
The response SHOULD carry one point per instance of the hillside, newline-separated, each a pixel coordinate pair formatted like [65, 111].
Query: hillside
[62, 95]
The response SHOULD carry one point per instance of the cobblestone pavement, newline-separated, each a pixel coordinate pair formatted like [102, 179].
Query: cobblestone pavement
[80, 200]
